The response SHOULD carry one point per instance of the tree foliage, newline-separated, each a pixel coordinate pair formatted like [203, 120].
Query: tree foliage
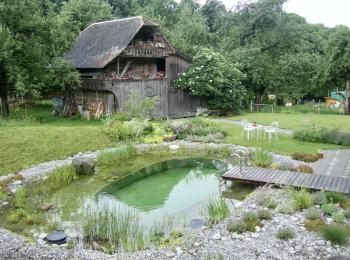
[216, 78]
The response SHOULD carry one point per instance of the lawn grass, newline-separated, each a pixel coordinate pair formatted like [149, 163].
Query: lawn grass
[22, 147]
[297, 121]
[285, 144]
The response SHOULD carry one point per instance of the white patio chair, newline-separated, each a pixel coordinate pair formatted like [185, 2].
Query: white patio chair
[247, 128]
[270, 130]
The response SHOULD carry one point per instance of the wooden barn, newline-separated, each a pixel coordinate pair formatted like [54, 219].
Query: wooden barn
[119, 56]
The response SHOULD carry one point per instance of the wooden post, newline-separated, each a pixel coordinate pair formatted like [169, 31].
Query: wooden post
[251, 106]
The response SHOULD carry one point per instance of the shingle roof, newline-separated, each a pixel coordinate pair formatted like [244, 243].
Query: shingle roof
[102, 42]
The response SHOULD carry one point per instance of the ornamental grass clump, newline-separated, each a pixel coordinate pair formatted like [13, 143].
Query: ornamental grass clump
[285, 233]
[261, 158]
[313, 214]
[336, 233]
[265, 214]
[319, 198]
[252, 220]
[301, 199]
[314, 225]
[346, 213]
[217, 210]
[237, 226]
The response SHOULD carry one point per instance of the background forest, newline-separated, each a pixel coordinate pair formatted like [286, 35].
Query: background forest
[256, 48]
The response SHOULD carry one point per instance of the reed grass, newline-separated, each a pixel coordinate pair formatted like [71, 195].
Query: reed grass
[60, 177]
[124, 152]
[20, 198]
[113, 227]
[217, 210]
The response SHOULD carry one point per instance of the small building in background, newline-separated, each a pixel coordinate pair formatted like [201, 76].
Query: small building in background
[128, 55]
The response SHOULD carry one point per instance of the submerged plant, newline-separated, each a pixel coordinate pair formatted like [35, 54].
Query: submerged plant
[217, 210]
[60, 177]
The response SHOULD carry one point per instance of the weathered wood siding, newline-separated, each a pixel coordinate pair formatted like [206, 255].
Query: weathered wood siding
[122, 88]
[180, 102]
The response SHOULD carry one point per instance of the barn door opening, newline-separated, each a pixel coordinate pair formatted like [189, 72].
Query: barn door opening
[161, 66]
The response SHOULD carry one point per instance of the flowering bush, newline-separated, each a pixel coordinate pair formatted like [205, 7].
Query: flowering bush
[216, 78]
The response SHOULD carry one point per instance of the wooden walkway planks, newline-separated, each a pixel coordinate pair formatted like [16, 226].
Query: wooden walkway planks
[257, 175]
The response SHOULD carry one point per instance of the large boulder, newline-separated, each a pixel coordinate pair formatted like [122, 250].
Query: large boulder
[84, 166]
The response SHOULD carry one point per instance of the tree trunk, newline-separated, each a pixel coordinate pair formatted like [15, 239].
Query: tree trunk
[347, 95]
[258, 96]
[3, 93]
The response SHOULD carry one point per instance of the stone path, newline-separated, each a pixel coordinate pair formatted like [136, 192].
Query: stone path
[238, 122]
[335, 163]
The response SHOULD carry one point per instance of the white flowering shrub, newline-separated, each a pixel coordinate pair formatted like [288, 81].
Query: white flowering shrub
[216, 78]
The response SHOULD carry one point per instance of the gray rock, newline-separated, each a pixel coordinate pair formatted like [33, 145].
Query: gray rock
[170, 254]
[216, 237]
[84, 166]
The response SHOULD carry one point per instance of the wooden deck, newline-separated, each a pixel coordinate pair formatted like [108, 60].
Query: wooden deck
[255, 175]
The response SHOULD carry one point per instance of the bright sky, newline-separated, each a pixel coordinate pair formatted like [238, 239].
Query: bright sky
[328, 12]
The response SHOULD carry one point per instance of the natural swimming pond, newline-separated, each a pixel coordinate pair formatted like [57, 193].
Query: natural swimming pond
[143, 193]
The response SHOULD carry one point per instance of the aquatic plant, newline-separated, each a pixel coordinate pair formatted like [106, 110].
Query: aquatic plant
[60, 177]
[121, 153]
[20, 198]
[112, 226]
[217, 210]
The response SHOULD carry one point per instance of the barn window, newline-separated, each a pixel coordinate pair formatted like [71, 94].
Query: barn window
[161, 65]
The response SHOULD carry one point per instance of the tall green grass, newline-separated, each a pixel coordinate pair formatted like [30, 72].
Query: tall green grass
[60, 177]
[261, 158]
[108, 158]
[20, 198]
[217, 210]
[113, 227]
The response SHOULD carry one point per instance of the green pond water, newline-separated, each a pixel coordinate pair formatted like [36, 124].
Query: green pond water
[157, 187]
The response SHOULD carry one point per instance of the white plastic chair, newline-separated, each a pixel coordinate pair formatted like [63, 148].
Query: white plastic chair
[246, 128]
[270, 130]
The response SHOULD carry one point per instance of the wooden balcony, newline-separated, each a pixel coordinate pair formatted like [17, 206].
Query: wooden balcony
[145, 52]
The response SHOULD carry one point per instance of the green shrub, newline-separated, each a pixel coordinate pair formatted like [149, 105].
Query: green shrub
[261, 158]
[252, 220]
[329, 208]
[238, 226]
[314, 224]
[116, 130]
[338, 217]
[287, 210]
[323, 135]
[301, 199]
[285, 233]
[265, 214]
[306, 157]
[217, 210]
[313, 214]
[319, 198]
[335, 233]
[346, 213]
[335, 197]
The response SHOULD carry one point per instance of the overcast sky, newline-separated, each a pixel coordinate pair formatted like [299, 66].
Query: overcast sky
[328, 12]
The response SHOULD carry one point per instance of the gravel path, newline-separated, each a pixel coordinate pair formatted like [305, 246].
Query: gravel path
[238, 122]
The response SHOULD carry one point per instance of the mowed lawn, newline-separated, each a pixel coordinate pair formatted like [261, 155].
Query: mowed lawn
[22, 147]
[298, 121]
[285, 144]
